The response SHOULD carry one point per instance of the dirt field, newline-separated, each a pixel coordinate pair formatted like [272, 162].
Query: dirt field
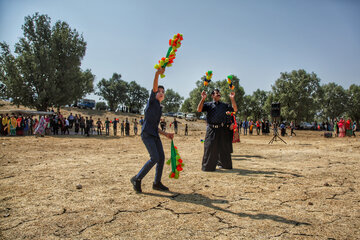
[307, 189]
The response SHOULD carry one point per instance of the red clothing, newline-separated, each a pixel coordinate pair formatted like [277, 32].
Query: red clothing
[348, 124]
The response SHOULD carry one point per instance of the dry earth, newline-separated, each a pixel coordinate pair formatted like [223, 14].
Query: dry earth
[306, 189]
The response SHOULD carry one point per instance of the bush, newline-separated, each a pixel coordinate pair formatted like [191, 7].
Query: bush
[100, 106]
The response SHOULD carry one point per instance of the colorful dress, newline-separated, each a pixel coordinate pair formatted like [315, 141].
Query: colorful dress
[5, 122]
[341, 125]
[336, 128]
[348, 128]
[13, 124]
[40, 128]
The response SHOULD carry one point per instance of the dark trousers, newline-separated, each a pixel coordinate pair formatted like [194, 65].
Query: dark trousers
[216, 149]
[154, 146]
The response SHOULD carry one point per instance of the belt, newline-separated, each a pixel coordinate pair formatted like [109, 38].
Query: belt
[218, 125]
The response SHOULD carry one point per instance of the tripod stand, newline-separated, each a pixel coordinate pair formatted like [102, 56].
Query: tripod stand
[276, 135]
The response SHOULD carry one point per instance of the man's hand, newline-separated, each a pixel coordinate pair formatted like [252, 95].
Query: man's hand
[169, 135]
[160, 71]
[232, 95]
[203, 95]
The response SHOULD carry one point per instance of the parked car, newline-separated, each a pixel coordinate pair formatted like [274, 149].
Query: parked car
[86, 103]
[306, 126]
[191, 117]
[170, 114]
[180, 115]
[202, 117]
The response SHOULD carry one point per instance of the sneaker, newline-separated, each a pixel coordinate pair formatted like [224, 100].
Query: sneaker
[160, 187]
[136, 184]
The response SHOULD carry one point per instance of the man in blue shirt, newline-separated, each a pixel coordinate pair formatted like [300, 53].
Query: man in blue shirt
[150, 136]
[215, 150]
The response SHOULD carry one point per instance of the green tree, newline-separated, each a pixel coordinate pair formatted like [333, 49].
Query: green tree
[46, 71]
[298, 94]
[333, 101]
[246, 110]
[186, 106]
[113, 91]
[353, 104]
[137, 97]
[100, 106]
[172, 101]
[257, 104]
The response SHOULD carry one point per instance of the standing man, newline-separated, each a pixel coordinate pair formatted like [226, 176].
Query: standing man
[115, 122]
[292, 127]
[135, 127]
[175, 123]
[107, 127]
[214, 151]
[127, 127]
[150, 137]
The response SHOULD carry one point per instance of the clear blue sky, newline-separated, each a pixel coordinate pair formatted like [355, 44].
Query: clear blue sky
[253, 39]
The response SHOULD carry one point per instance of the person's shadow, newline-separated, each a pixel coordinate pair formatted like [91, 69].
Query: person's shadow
[245, 172]
[199, 199]
[245, 157]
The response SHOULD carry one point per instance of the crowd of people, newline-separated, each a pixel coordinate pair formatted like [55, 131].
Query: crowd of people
[58, 124]
[344, 128]
[340, 127]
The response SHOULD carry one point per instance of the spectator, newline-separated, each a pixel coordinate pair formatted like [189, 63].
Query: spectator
[127, 127]
[135, 127]
[107, 127]
[115, 122]
[99, 126]
[123, 128]
[292, 127]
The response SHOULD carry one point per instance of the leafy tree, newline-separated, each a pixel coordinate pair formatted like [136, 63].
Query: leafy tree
[246, 110]
[114, 91]
[186, 106]
[353, 104]
[100, 106]
[46, 71]
[254, 105]
[298, 94]
[333, 101]
[136, 97]
[172, 101]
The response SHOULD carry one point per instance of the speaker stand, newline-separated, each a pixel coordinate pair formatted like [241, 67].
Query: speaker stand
[276, 137]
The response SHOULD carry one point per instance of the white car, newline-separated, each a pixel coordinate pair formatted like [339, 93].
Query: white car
[180, 115]
[191, 117]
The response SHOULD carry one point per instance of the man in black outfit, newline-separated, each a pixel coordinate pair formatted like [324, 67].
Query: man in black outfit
[214, 150]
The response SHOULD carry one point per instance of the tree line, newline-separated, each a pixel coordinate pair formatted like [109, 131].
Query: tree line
[300, 94]
[46, 72]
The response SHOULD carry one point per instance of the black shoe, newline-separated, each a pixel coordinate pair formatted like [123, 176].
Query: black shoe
[136, 184]
[159, 186]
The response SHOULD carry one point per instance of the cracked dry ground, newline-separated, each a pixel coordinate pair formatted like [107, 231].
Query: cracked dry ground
[307, 189]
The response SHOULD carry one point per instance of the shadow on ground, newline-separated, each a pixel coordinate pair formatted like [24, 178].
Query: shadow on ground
[199, 199]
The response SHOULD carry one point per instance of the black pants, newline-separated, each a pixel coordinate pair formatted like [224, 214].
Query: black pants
[216, 149]
[292, 132]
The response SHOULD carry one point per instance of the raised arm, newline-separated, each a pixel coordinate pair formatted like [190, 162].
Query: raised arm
[233, 102]
[201, 103]
[156, 78]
